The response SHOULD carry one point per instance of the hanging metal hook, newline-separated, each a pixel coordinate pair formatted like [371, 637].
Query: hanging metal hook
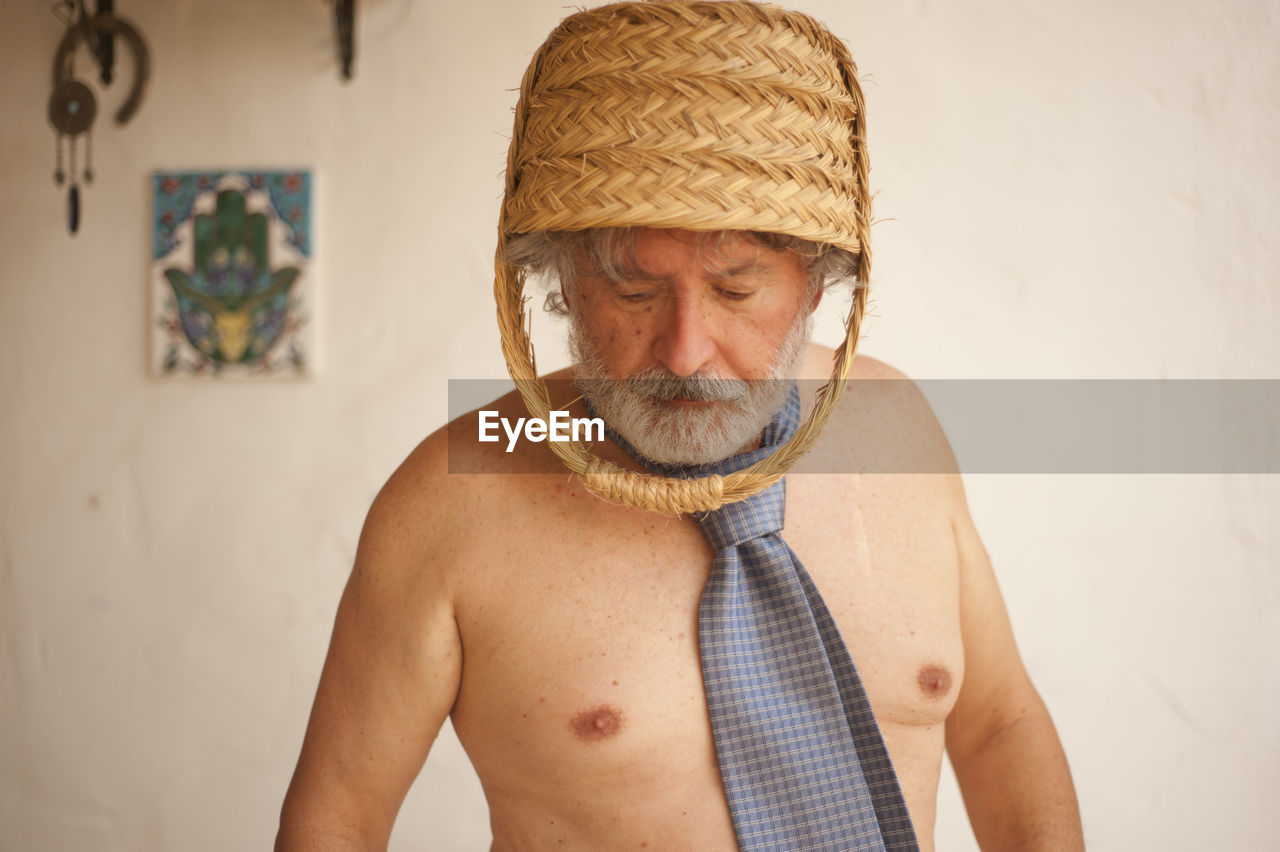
[344, 18]
[104, 47]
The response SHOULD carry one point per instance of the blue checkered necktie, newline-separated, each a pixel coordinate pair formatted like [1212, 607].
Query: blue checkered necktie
[800, 753]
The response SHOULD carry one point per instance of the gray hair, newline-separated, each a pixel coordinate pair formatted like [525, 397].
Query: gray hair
[610, 252]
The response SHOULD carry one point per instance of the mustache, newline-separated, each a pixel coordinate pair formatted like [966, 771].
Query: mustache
[658, 384]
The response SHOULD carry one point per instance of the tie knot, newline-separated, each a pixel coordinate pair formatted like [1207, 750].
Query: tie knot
[757, 516]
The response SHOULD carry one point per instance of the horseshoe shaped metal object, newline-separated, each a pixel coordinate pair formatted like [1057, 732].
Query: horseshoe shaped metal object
[106, 24]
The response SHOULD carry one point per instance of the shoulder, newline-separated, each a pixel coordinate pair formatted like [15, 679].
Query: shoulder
[453, 483]
[882, 424]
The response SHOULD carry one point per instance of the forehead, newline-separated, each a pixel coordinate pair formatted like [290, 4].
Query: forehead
[657, 252]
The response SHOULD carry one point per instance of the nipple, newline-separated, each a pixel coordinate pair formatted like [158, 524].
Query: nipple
[598, 723]
[935, 681]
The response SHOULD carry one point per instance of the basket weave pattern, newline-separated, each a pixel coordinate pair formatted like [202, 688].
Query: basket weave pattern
[696, 115]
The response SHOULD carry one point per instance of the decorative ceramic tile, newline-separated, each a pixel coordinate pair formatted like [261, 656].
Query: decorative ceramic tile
[233, 274]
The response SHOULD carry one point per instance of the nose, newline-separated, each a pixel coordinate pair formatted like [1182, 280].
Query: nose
[685, 343]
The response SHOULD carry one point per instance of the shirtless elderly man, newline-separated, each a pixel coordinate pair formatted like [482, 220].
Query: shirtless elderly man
[693, 175]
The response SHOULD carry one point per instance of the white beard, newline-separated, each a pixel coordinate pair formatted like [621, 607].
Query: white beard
[731, 422]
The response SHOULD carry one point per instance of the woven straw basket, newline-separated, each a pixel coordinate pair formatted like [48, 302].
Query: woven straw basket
[695, 115]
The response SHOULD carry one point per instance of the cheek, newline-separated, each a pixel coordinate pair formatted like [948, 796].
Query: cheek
[770, 324]
[621, 338]
[754, 343]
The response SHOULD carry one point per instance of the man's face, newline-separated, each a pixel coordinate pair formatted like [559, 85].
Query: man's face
[683, 352]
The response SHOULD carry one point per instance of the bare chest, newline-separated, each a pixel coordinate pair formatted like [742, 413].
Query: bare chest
[581, 670]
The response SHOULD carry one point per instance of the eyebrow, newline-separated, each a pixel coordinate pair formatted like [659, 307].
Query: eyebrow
[636, 274]
[739, 269]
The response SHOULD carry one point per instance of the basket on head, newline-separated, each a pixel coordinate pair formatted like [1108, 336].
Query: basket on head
[695, 115]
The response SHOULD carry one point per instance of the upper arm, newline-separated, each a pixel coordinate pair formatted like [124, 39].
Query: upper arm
[996, 691]
[391, 674]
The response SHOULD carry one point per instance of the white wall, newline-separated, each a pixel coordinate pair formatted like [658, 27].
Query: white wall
[1067, 190]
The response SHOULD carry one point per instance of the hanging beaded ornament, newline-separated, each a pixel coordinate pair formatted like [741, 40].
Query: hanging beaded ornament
[72, 109]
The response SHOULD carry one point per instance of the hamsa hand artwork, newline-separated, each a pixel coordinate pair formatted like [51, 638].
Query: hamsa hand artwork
[231, 274]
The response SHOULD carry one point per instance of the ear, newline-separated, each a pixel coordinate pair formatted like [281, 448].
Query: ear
[817, 297]
[564, 294]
